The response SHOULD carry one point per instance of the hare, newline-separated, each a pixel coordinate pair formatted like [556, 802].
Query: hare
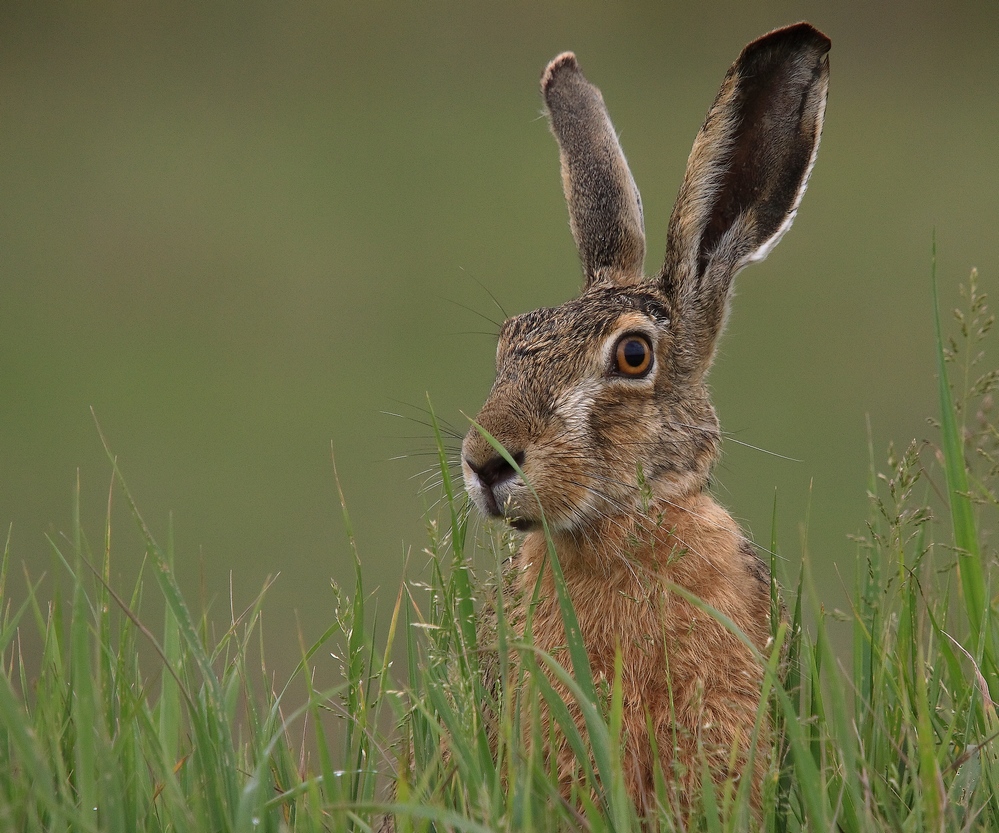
[602, 403]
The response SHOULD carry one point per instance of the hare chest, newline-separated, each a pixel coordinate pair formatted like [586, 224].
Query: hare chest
[690, 687]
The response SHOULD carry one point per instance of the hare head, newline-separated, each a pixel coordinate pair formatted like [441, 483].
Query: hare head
[602, 402]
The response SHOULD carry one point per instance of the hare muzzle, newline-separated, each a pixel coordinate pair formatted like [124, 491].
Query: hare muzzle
[490, 479]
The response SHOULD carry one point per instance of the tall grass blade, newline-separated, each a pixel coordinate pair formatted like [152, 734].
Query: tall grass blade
[969, 564]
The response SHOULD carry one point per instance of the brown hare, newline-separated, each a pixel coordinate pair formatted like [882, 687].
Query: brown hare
[603, 405]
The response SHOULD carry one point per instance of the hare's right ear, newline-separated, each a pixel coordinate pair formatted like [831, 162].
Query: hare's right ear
[605, 209]
[745, 177]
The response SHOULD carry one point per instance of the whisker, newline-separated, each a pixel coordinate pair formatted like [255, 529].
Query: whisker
[452, 462]
[443, 427]
[731, 438]
[441, 421]
[492, 297]
[482, 315]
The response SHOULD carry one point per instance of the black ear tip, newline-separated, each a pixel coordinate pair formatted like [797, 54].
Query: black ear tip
[560, 63]
[797, 36]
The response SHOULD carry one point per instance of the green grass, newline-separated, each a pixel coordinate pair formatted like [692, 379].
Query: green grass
[120, 724]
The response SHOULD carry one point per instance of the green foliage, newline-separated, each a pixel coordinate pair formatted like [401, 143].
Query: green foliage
[117, 725]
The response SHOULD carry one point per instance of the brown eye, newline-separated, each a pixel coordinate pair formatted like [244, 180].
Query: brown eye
[633, 356]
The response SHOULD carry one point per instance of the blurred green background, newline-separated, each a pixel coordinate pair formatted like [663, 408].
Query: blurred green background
[240, 232]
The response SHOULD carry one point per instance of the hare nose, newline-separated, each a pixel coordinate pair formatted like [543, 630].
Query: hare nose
[496, 469]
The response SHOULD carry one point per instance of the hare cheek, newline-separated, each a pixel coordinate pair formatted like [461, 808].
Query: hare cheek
[570, 451]
[573, 412]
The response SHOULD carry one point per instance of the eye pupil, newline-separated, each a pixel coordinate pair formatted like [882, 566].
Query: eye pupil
[634, 352]
[633, 356]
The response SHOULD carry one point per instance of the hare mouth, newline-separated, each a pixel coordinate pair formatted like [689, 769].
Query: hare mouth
[507, 510]
[503, 507]
[518, 522]
[522, 524]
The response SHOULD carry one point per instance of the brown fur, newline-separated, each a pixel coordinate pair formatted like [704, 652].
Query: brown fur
[617, 463]
[692, 679]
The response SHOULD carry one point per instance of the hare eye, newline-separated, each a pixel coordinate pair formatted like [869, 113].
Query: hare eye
[633, 356]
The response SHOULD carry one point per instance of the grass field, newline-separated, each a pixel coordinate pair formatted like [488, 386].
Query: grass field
[101, 733]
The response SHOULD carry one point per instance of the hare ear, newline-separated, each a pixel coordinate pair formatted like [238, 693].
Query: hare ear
[605, 209]
[745, 176]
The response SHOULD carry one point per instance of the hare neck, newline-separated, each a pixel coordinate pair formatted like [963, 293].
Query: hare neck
[650, 541]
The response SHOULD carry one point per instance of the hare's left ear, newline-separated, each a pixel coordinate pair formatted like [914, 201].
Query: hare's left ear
[745, 176]
[605, 209]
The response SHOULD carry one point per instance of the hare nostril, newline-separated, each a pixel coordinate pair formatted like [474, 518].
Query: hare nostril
[496, 469]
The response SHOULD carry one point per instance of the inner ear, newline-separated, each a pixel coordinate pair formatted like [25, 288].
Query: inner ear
[764, 171]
